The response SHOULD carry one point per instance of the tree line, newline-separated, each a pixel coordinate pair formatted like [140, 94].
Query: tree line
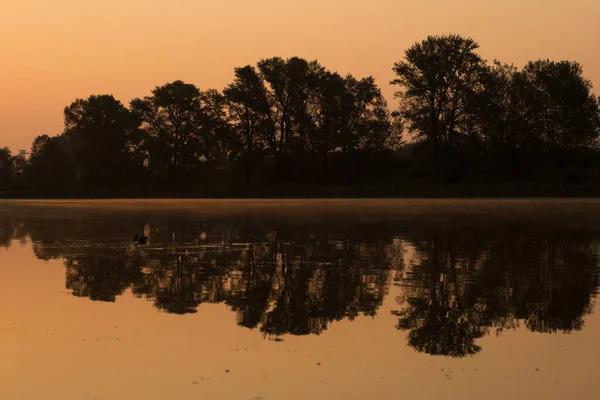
[293, 121]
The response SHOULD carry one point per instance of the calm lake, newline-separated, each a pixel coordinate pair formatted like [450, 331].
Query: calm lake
[300, 299]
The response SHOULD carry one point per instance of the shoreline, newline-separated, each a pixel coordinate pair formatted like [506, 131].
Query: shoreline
[407, 190]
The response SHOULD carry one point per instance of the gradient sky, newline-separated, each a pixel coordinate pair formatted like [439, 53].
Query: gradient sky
[53, 51]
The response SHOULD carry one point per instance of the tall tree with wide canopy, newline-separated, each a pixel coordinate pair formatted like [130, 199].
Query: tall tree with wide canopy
[297, 110]
[349, 114]
[6, 168]
[172, 118]
[563, 112]
[249, 108]
[437, 78]
[218, 134]
[291, 85]
[98, 130]
[51, 166]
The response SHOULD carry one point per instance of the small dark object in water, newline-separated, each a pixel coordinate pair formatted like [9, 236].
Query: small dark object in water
[139, 239]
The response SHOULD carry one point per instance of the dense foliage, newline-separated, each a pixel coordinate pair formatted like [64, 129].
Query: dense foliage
[294, 122]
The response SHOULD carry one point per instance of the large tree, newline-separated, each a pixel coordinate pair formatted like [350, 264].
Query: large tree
[365, 115]
[563, 113]
[6, 168]
[173, 119]
[437, 79]
[51, 166]
[498, 114]
[291, 85]
[98, 130]
[294, 113]
[219, 139]
[349, 114]
[249, 109]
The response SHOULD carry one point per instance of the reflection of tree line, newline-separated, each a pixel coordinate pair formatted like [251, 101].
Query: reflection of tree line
[285, 282]
[462, 282]
[461, 287]
[279, 287]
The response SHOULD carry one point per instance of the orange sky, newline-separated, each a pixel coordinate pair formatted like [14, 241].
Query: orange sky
[52, 51]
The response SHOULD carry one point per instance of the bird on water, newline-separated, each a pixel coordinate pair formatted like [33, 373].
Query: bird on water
[138, 238]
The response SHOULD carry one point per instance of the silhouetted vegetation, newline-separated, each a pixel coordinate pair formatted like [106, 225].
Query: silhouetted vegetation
[466, 282]
[278, 281]
[464, 278]
[293, 123]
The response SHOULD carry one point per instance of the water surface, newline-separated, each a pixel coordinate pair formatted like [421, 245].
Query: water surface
[299, 299]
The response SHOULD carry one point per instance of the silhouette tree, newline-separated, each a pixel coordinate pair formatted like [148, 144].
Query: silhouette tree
[174, 121]
[565, 114]
[220, 141]
[51, 166]
[496, 112]
[292, 122]
[39, 144]
[330, 119]
[291, 115]
[249, 109]
[98, 130]
[19, 166]
[365, 115]
[6, 169]
[437, 78]
[290, 85]
[350, 115]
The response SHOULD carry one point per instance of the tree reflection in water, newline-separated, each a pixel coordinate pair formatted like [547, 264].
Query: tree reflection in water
[285, 277]
[463, 283]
